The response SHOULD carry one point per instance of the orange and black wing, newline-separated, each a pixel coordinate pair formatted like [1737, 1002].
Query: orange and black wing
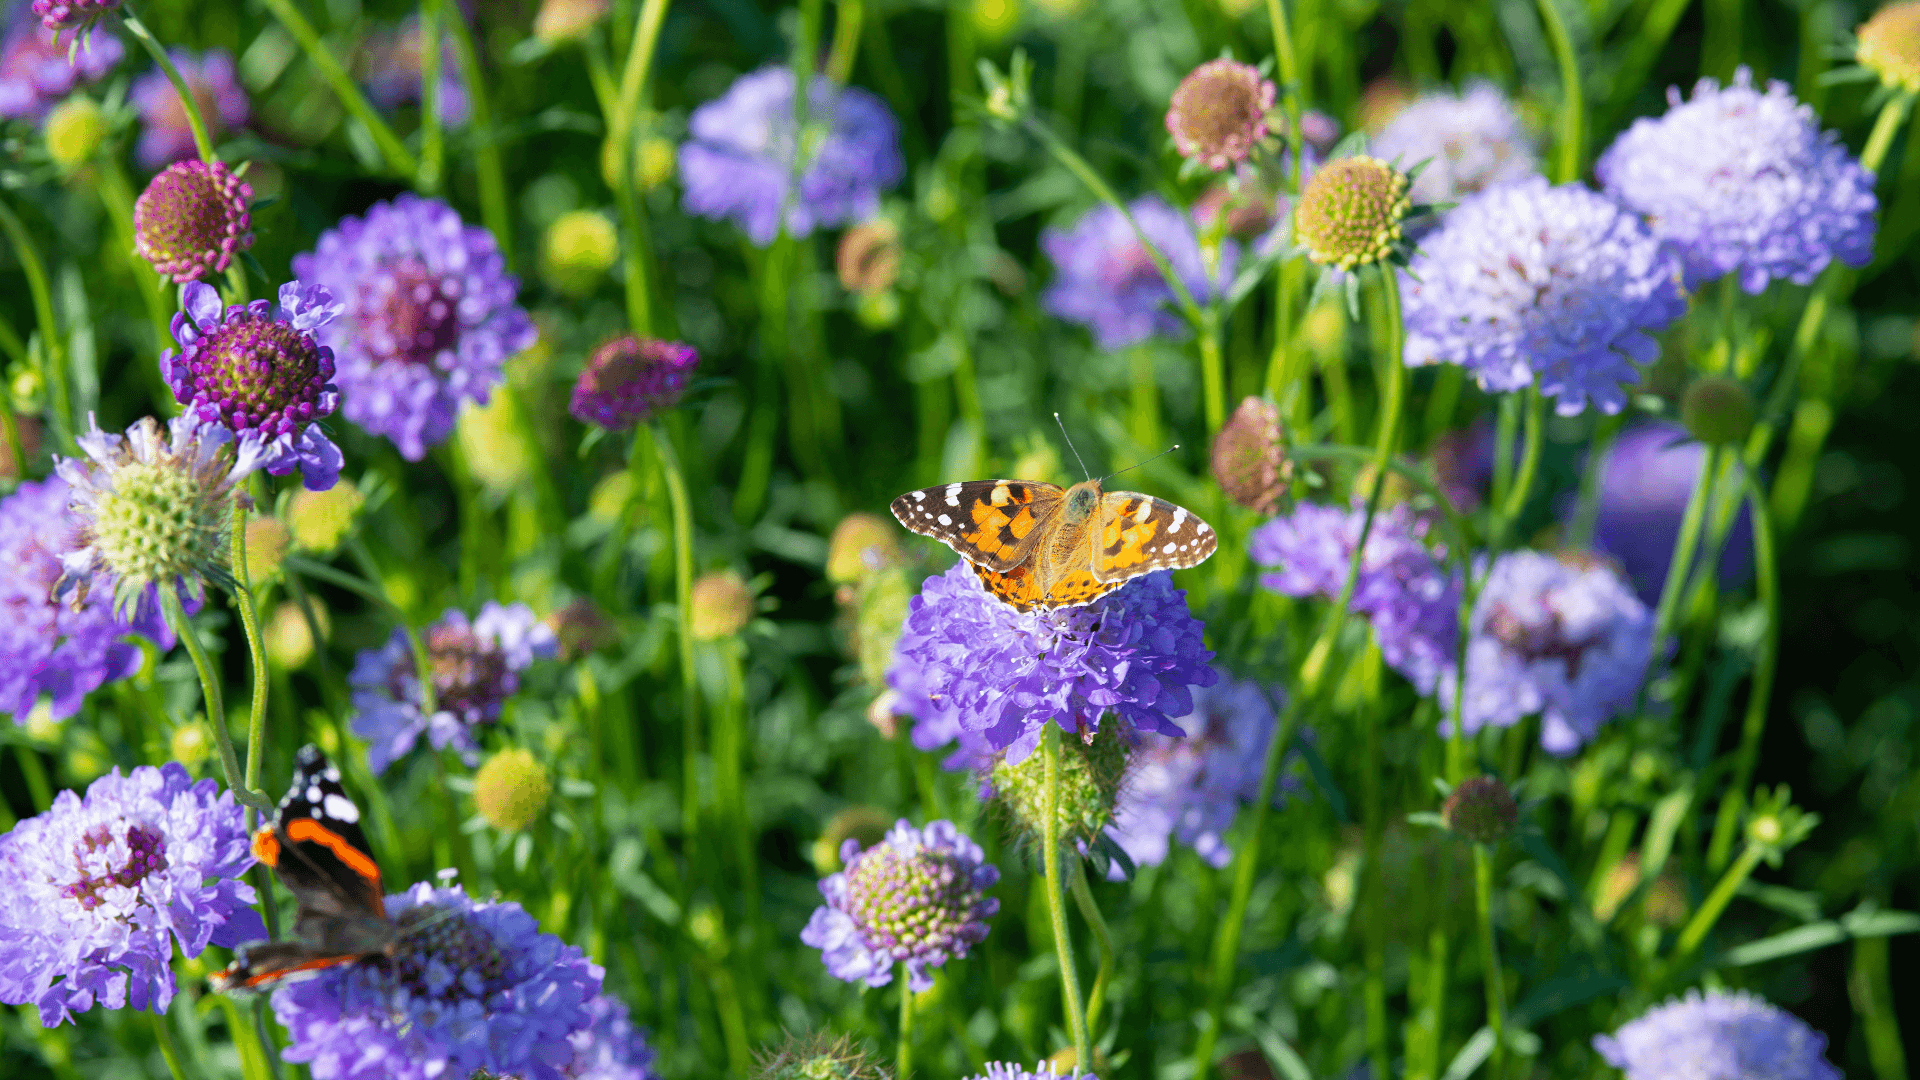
[1021, 590]
[1138, 534]
[991, 523]
[317, 848]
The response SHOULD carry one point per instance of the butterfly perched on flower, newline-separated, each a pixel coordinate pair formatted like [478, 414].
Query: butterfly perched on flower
[316, 848]
[1039, 545]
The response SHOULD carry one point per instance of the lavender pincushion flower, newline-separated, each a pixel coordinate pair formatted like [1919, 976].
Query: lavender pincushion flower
[610, 1047]
[261, 374]
[738, 164]
[1007, 1070]
[1649, 476]
[47, 647]
[35, 73]
[1192, 786]
[1403, 590]
[1003, 674]
[165, 134]
[630, 379]
[100, 888]
[916, 898]
[430, 317]
[470, 985]
[1108, 283]
[476, 668]
[1743, 181]
[1562, 637]
[1468, 141]
[1719, 1035]
[1526, 283]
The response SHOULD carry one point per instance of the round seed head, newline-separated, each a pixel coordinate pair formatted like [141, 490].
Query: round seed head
[861, 544]
[630, 379]
[511, 789]
[1718, 410]
[1249, 456]
[567, 20]
[722, 605]
[75, 128]
[1351, 211]
[869, 258]
[192, 219]
[319, 520]
[1890, 45]
[578, 250]
[1481, 809]
[1219, 112]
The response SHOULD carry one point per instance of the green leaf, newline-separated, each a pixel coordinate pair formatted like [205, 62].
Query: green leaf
[1860, 923]
[1288, 1064]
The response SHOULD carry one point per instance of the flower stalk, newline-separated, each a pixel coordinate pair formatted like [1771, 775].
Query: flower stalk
[1056, 899]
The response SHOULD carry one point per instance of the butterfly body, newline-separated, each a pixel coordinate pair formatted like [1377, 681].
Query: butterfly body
[1038, 545]
[317, 850]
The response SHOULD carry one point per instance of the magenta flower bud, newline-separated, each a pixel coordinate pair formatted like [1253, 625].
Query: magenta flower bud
[192, 219]
[1219, 111]
[58, 15]
[630, 379]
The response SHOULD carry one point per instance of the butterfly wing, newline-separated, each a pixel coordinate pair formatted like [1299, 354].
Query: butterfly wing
[991, 523]
[1019, 588]
[266, 964]
[317, 849]
[1138, 534]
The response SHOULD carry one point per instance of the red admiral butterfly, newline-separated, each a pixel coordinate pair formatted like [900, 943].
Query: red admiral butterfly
[317, 850]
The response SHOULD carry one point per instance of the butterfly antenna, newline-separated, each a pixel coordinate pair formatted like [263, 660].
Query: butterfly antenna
[1137, 464]
[1076, 450]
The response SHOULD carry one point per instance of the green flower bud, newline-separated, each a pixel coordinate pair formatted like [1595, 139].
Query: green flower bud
[1718, 410]
[490, 441]
[722, 605]
[191, 744]
[578, 250]
[1089, 779]
[1890, 46]
[288, 638]
[861, 544]
[1350, 212]
[75, 129]
[319, 520]
[511, 789]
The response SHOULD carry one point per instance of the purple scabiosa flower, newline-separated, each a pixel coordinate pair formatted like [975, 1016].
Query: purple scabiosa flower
[1562, 637]
[916, 898]
[46, 647]
[191, 219]
[391, 71]
[609, 1047]
[34, 70]
[1108, 283]
[261, 374]
[166, 135]
[1526, 283]
[1719, 1035]
[476, 668]
[430, 317]
[99, 888]
[1468, 141]
[154, 508]
[1648, 478]
[1218, 113]
[1411, 600]
[1462, 463]
[469, 986]
[739, 163]
[1001, 674]
[630, 379]
[1191, 786]
[1741, 181]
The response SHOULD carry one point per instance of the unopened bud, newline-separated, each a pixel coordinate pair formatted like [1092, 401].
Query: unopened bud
[1481, 809]
[1718, 410]
[511, 789]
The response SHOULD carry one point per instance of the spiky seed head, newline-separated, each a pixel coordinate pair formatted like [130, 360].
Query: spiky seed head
[722, 605]
[819, 1056]
[511, 789]
[1090, 779]
[1351, 212]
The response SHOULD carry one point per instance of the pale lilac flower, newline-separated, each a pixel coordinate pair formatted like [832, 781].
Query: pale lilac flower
[1468, 142]
[1107, 282]
[1719, 1035]
[34, 70]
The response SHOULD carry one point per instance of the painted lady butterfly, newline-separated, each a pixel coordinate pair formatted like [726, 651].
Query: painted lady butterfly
[1041, 545]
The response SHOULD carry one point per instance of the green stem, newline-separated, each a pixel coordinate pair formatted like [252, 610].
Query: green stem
[489, 173]
[432, 138]
[1767, 585]
[53, 346]
[1212, 374]
[1697, 927]
[164, 1036]
[683, 594]
[905, 1060]
[846, 46]
[210, 688]
[1586, 516]
[39, 790]
[1090, 911]
[1490, 956]
[620, 132]
[399, 160]
[201, 142]
[367, 587]
[1057, 902]
[1720, 44]
[257, 653]
[1680, 567]
[1522, 486]
[1570, 150]
[1373, 821]
[10, 431]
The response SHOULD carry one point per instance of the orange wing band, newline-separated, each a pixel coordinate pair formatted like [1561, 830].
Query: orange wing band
[357, 861]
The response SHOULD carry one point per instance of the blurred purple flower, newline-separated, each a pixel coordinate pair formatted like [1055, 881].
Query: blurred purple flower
[1719, 1035]
[430, 317]
[916, 898]
[1741, 181]
[476, 668]
[1462, 462]
[1562, 637]
[968, 662]
[1192, 786]
[468, 986]
[390, 68]
[34, 72]
[166, 136]
[261, 374]
[99, 888]
[630, 379]
[46, 647]
[1649, 477]
[738, 164]
[1526, 283]
[1469, 142]
[1007, 1070]
[1108, 283]
[1409, 597]
[610, 1047]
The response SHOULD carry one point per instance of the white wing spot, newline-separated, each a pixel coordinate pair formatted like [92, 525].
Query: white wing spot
[1169, 549]
[945, 520]
[1179, 519]
[953, 494]
[313, 793]
[332, 774]
[1141, 515]
[341, 808]
[919, 496]
[1203, 527]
